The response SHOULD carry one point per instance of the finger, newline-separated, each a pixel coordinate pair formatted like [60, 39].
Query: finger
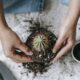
[63, 51]
[20, 58]
[17, 61]
[58, 45]
[25, 49]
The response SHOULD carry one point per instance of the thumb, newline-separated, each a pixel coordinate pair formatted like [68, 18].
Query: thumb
[25, 49]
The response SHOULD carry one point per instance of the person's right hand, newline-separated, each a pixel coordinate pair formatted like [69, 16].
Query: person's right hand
[65, 42]
[67, 35]
[10, 41]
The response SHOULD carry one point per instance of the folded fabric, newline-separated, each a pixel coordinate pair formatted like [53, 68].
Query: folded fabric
[22, 6]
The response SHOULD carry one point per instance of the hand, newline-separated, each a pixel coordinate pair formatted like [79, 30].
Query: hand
[10, 41]
[67, 35]
[65, 41]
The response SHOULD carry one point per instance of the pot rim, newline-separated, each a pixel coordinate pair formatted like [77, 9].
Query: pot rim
[78, 61]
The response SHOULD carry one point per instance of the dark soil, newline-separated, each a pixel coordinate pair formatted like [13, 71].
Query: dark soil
[42, 53]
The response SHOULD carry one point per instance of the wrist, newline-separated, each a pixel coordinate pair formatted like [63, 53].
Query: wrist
[71, 21]
[3, 24]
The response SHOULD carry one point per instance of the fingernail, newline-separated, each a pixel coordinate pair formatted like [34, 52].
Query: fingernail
[54, 51]
[18, 50]
[29, 53]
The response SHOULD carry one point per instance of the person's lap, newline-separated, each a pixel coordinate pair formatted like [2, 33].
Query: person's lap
[65, 2]
[21, 6]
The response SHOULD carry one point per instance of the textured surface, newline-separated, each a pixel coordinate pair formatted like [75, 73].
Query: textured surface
[64, 69]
